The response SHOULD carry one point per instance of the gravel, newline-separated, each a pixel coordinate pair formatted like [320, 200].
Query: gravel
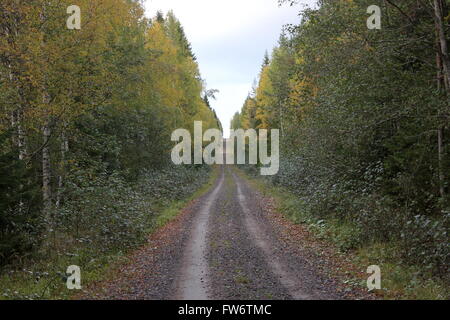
[228, 244]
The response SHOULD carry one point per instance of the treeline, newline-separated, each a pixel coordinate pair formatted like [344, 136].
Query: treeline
[85, 123]
[364, 121]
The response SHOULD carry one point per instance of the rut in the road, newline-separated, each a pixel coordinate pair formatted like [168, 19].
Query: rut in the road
[193, 283]
[223, 245]
[287, 278]
[233, 254]
[238, 268]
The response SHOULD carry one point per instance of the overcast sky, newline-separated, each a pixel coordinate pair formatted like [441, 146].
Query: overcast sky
[229, 38]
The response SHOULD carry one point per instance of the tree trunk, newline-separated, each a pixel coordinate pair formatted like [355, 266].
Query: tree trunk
[441, 161]
[46, 170]
[440, 29]
[443, 66]
[13, 126]
[281, 120]
[21, 135]
[17, 120]
[64, 150]
[46, 163]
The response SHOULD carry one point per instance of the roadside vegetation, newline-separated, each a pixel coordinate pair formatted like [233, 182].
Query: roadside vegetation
[123, 220]
[364, 137]
[86, 118]
[399, 280]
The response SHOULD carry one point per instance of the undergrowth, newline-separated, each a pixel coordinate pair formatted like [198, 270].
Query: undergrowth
[108, 221]
[399, 279]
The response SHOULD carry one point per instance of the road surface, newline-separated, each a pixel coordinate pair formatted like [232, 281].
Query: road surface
[225, 245]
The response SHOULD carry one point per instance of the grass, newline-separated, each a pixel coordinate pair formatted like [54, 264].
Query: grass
[241, 279]
[399, 281]
[43, 277]
[168, 213]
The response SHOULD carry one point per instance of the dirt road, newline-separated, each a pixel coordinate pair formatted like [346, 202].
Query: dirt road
[224, 245]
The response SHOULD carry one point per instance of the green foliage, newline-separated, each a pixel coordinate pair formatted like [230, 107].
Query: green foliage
[19, 225]
[86, 118]
[105, 217]
[400, 280]
[109, 213]
[359, 112]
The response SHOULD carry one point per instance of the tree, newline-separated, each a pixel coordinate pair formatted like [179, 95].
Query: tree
[95, 104]
[443, 65]
[359, 112]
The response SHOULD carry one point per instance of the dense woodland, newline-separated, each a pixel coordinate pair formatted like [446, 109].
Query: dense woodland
[364, 121]
[86, 118]
[85, 123]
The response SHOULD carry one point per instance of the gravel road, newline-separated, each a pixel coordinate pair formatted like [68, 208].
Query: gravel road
[224, 245]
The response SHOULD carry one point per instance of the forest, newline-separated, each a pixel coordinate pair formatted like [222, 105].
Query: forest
[364, 121]
[85, 123]
[86, 117]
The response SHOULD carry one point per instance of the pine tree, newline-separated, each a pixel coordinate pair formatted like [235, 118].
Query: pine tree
[160, 17]
[266, 61]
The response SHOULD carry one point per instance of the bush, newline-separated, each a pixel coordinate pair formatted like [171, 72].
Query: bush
[108, 213]
[360, 214]
[425, 242]
[19, 227]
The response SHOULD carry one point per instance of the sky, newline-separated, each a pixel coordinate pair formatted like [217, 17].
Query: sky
[229, 38]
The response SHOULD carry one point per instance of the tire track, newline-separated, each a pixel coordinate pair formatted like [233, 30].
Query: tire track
[289, 280]
[193, 281]
[239, 270]
[225, 245]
